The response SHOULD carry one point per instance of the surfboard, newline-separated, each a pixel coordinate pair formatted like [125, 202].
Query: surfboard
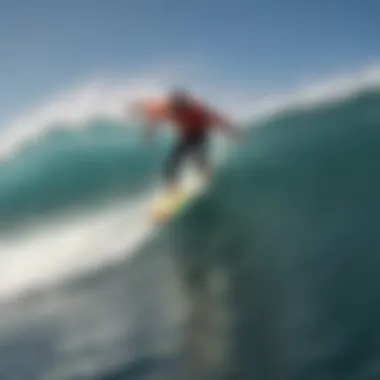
[171, 204]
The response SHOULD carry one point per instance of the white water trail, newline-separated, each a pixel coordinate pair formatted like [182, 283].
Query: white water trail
[53, 254]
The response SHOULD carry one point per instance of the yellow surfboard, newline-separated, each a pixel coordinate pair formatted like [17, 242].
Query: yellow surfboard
[172, 203]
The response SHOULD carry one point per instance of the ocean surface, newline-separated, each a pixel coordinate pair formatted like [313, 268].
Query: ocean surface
[272, 274]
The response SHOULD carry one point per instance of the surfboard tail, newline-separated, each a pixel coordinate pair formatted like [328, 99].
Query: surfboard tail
[174, 202]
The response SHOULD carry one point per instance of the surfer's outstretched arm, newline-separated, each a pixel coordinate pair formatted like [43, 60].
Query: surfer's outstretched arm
[153, 114]
[225, 125]
[139, 114]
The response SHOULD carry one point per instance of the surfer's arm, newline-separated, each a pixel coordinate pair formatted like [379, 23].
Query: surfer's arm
[224, 124]
[153, 114]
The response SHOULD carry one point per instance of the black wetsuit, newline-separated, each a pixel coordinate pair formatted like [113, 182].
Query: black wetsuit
[194, 145]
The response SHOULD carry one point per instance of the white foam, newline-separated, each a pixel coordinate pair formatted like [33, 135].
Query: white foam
[335, 88]
[71, 247]
[112, 97]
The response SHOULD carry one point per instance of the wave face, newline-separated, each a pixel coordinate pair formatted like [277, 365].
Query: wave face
[271, 274]
[68, 167]
[293, 224]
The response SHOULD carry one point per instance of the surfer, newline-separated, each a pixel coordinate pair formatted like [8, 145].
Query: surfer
[194, 121]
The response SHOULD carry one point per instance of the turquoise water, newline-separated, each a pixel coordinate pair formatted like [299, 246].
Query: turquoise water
[273, 274]
[67, 168]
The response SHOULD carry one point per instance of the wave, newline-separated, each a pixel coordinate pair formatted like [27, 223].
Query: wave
[68, 168]
[77, 170]
[277, 262]
[292, 225]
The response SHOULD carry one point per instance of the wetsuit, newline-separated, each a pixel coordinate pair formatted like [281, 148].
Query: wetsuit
[193, 123]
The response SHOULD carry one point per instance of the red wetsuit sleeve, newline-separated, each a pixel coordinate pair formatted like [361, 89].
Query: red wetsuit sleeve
[213, 118]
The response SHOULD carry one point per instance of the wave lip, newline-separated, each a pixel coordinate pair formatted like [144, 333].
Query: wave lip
[102, 98]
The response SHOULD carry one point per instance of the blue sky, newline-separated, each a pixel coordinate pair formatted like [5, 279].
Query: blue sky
[47, 45]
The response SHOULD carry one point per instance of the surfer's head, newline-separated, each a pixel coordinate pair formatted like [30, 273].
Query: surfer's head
[179, 98]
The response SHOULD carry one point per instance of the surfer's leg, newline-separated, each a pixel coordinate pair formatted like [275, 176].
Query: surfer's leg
[173, 166]
[202, 157]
